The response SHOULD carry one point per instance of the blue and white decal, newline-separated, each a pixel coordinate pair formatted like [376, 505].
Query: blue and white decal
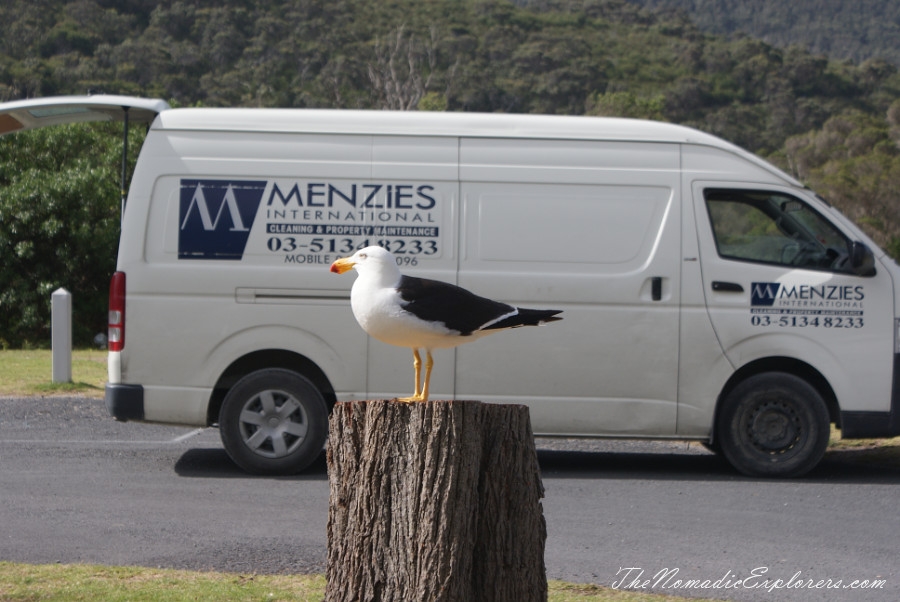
[303, 222]
[216, 217]
[780, 305]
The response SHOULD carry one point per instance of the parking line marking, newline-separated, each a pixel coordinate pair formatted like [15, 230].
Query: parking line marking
[179, 439]
[187, 436]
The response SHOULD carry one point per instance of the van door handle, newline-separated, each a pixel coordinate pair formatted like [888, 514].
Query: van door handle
[727, 287]
[656, 288]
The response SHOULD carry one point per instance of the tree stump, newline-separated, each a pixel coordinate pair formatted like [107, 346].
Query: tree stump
[435, 501]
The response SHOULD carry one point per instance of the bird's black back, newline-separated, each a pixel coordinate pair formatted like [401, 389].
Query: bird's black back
[462, 310]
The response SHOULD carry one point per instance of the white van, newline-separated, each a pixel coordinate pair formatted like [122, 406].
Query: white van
[707, 295]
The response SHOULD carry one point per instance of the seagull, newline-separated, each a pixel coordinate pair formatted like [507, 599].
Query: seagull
[424, 314]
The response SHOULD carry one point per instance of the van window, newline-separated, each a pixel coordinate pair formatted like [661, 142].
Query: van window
[774, 228]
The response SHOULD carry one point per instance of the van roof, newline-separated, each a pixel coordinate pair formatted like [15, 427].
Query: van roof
[427, 123]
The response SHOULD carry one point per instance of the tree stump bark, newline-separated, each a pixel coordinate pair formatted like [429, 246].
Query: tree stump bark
[435, 501]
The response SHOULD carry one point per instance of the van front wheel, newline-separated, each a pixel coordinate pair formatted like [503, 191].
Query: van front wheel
[773, 425]
[273, 422]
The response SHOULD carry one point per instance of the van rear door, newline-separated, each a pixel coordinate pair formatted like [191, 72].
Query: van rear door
[21, 115]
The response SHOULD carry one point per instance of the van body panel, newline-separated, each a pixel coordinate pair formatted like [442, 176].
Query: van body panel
[565, 417]
[713, 163]
[703, 373]
[344, 370]
[176, 405]
[428, 157]
[238, 329]
[703, 369]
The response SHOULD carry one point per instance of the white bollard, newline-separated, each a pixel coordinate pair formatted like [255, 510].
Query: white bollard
[61, 334]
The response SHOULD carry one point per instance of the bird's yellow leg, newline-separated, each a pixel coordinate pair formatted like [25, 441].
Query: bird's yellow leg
[417, 363]
[429, 363]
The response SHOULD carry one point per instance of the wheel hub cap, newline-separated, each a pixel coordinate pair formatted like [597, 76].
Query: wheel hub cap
[273, 424]
[774, 428]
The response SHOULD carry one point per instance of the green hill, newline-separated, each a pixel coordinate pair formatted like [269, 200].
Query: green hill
[858, 31]
[834, 124]
[598, 56]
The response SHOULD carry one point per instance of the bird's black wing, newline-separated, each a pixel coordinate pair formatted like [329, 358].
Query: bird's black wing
[454, 307]
[527, 317]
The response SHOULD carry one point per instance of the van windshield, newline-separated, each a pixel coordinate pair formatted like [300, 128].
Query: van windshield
[775, 228]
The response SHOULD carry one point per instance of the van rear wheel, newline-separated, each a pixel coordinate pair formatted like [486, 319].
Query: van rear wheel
[273, 422]
[773, 425]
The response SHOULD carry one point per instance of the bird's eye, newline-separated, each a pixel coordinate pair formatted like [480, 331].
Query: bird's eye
[362, 255]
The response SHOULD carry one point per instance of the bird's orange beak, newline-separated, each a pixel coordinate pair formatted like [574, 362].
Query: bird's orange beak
[342, 265]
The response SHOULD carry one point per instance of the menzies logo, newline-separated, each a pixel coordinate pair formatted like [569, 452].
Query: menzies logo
[215, 217]
[764, 293]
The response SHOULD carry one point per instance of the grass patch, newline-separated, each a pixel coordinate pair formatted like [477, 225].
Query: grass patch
[560, 591]
[881, 451]
[30, 373]
[83, 582]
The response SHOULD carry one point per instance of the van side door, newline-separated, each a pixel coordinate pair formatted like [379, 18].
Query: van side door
[591, 228]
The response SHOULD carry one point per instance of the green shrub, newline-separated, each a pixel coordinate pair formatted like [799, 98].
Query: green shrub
[59, 225]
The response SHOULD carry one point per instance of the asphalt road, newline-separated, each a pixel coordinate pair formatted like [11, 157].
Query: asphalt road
[76, 486]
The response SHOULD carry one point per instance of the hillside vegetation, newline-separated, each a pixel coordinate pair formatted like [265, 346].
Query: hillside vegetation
[857, 30]
[832, 124]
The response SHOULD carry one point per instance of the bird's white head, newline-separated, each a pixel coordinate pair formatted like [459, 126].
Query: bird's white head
[372, 259]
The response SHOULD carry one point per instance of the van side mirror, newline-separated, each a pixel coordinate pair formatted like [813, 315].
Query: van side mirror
[862, 260]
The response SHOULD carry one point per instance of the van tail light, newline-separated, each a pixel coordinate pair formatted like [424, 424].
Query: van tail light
[116, 334]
